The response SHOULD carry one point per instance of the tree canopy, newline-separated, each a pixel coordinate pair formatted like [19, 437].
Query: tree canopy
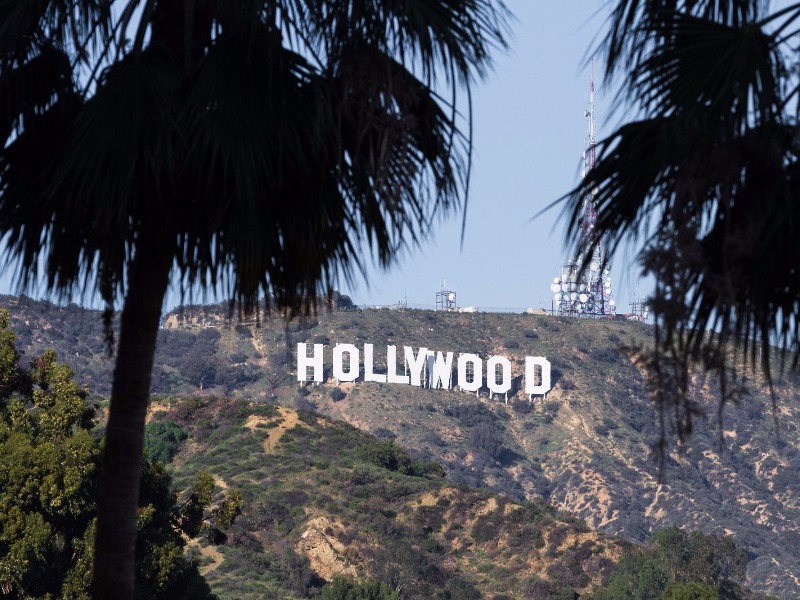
[675, 564]
[50, 456]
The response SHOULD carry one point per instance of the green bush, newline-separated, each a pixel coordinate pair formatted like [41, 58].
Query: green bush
[387, 455]
[343, 588]
[162, 440]
[690, 591]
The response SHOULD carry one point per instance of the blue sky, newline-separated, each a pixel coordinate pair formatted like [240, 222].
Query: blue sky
[529, 133]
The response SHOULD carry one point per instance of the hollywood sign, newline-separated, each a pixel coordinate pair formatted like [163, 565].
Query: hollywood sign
[424, 368]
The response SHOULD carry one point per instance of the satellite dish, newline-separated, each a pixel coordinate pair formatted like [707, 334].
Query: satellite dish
[572, 296]
[557, 297]
[593, 266]
[583, 298]
[556, 279]
[572, 287]
[583, 287]
[564, 287]
[611, 302]
[451, 297]
[555, 288]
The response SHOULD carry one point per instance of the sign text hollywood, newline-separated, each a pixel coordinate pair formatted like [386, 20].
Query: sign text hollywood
[423, 368]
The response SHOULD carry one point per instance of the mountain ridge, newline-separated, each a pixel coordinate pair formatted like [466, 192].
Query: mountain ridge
[584, 448]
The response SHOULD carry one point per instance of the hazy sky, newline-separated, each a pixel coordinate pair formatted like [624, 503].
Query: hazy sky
[529, 134]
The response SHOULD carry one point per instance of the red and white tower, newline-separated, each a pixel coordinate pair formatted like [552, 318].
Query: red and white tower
[587, 292]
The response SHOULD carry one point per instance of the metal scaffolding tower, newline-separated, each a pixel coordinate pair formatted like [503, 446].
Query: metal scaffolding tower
[583, 289]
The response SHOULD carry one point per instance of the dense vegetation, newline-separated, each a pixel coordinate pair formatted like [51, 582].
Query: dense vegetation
[323, 499]
[675, 564]
[326, 503]
[49, 450]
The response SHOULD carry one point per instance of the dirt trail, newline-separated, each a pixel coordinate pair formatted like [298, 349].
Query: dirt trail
[286, 419]
[208, 551]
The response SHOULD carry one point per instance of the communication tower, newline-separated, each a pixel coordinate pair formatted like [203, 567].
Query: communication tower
[445, 298]
[583, 289]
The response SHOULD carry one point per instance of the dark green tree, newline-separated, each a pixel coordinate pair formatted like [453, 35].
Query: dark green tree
[676, 564]
[690, 591]
[342, 588]
[48, 493]
[256, 147]
[707, 175]
[162, 439]
[673, 550]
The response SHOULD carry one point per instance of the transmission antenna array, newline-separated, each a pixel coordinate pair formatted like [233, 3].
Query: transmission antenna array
[583, 289]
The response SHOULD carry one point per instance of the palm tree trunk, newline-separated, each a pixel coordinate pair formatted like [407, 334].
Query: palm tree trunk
[115, 544]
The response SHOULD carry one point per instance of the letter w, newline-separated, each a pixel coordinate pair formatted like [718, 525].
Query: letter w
[442, 372]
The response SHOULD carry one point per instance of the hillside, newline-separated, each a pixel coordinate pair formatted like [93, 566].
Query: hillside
[323, 499]
[585, 449]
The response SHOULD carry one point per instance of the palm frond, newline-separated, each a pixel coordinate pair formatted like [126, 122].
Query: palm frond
[707, 179]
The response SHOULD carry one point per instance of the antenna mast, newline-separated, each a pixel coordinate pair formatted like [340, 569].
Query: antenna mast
[584, 290]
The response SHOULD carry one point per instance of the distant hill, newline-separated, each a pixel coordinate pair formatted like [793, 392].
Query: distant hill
[585, 449]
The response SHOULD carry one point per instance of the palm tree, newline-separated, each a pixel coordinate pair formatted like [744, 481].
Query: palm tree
[708, 175]
[255, 147]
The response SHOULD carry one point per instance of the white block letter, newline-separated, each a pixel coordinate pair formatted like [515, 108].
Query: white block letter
[491, 374]
[338, 366]
[391, 366]
[304, 361]
[440, 373]
[531, 387]
[477, 372]
[415, 363]
[369, 371]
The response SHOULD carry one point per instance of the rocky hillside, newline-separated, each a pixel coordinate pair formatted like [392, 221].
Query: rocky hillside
[322, 499]
[585, 448]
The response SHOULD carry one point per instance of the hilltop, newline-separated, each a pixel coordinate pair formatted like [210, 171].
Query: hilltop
[585, 448]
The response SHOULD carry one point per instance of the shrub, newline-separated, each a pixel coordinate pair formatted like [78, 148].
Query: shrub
[522, 407]
[487, 438]
[461, 589]
[208, 336]
[486, 528]
[343, 588]
[244, 331]
[162, 440]
[387, 455]
[337, 394]
[238, 357]
[303, 403]
[605, 355]
[384, 434]
[567, 384]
